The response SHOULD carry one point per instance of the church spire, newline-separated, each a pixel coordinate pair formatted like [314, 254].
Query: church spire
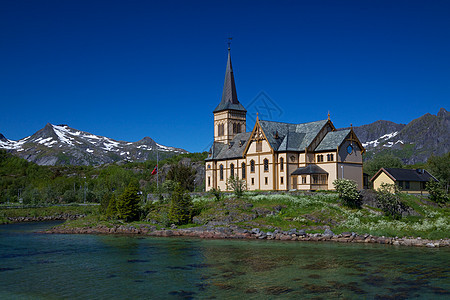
[229, 95]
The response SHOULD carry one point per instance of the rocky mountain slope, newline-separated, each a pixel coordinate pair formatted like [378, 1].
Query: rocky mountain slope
[414, 142]
[63, 145]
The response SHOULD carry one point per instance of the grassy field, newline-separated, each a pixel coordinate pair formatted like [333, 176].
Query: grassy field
[312, 212]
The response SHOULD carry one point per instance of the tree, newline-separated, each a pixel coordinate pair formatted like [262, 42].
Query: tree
[439, 166]
[111, 210]
[180, 211]
[238, 186]
[348, 192]
[182, 174]
[436, 193]
[381, 161]
[128, 203]
[388, 200]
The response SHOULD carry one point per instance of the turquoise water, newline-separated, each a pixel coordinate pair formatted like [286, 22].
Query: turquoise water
[41, 266]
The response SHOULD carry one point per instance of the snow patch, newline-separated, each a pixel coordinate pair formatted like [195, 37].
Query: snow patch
[89, 150]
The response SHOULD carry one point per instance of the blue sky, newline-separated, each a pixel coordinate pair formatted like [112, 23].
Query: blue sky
[129, 69]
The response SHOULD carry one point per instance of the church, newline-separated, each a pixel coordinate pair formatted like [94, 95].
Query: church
[278, 156]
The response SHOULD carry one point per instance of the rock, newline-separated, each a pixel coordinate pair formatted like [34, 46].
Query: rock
[301, 232]
[255, 230]
[430, 245]
[328, 233]
[173, 226]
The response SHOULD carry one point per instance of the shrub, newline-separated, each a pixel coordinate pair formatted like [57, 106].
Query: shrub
[436, 192]
[388, 200]
[238, 186]
[348, 192]
[216, 193]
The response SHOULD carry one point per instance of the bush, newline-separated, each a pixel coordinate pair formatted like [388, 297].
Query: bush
[348, 192]
[388, 200]
[180, 211]
[216, 193]
[436, 192]
[238, 186]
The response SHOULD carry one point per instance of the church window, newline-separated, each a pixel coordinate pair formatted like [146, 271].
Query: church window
[320, 158]
[232, 170]
[281, 180]
[236, 128]
[220, 130]
[252, 166]
[349, 149]
[253, 181]
[330, 157]
[281, 165]
[266, 180]
[243, 170]
[292, 158]
[407, 185]
[303, 179]
[209, 167]
[258, 146]
[209, 181]
[221, 172]
[266, 165]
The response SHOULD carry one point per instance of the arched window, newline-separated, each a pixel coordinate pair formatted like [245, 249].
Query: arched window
[266, 165]
[281, 164]
[243, 170]
[220, 130]
[221, 172]
[252, 166]
[232, 170]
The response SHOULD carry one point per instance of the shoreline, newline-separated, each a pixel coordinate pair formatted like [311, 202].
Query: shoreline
[234, 232]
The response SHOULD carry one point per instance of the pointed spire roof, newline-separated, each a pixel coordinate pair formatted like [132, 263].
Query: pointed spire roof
[229, 95]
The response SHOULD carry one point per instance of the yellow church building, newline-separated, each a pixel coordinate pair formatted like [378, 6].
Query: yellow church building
[278, 156]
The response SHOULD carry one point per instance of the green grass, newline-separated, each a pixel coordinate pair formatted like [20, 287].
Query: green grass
[312, 213]
[46, 211]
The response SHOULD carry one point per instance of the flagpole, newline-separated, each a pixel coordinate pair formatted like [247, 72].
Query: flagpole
[157, 168]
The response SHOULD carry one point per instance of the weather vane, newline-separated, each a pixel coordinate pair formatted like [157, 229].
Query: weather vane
[229, 42]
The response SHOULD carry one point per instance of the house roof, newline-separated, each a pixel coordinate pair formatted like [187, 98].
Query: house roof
[229, 95]
[398, 174]
[332, 140]
[235, 149]
[309, 169]
[291, 137]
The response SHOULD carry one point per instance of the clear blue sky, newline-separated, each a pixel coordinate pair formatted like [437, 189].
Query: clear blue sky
[129, 69]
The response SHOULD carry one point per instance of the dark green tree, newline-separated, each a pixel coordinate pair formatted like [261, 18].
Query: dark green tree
[439, 167]
[111, 210]
[180, 211]
[182, 174]
[436, 192]
[128, 203]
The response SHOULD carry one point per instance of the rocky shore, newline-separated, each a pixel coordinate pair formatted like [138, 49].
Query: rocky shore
[234, 232]
[44, 218]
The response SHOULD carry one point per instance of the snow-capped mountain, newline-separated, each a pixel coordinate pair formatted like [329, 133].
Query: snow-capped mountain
[414, 142]
[61, 145]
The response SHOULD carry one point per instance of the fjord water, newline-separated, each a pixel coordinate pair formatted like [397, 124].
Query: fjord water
[54, 266]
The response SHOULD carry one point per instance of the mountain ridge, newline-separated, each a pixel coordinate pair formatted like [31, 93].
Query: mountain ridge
[62, 145]
[413, 143]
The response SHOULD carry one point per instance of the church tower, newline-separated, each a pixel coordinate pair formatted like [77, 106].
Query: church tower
[229, 115]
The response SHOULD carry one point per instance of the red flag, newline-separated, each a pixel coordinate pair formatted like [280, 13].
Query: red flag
[155, 170]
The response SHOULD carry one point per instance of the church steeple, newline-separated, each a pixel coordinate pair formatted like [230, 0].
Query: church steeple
[229, 115]
[229, 94]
